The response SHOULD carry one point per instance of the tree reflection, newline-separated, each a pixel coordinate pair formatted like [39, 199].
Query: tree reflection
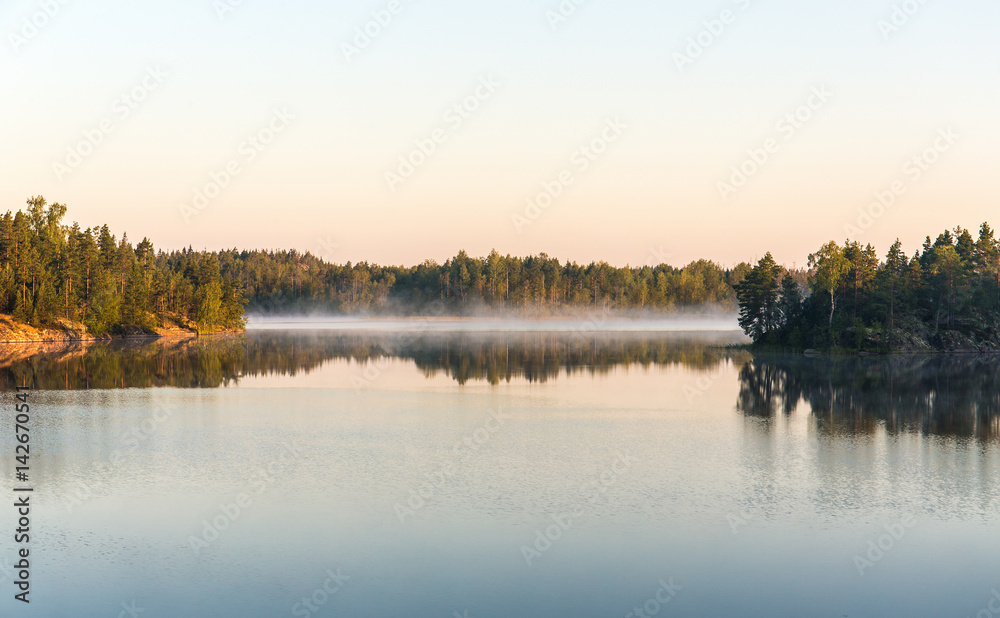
[938, 395]
[210, 362]
[764, 390]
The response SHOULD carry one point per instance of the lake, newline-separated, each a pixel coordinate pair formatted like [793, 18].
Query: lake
[435, 470]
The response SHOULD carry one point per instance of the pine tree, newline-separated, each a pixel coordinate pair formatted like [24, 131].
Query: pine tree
[758, 299]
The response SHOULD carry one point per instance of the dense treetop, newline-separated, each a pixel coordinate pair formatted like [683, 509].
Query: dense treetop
[279, 281]
[947, 294]
[849, 298]
[51, 270]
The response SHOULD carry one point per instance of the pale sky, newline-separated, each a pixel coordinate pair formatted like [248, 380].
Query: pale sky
[121, 110]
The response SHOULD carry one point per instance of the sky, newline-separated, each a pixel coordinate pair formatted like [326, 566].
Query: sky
[394, 131]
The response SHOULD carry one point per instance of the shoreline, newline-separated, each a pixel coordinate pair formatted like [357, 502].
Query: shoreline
[69, 331]
[864, 353]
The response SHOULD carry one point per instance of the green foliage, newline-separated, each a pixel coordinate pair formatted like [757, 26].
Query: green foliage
[858, 302]
[760, 311]
[288, 281]
[49, 270]
[830, 266]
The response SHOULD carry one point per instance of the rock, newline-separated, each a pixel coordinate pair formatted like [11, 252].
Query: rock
[61, 330]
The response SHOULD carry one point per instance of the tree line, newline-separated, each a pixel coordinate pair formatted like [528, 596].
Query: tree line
[848, 298]
[948, 293]
[283, 281]
[50, 270]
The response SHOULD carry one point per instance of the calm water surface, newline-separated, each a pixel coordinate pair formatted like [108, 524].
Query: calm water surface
[480, 474]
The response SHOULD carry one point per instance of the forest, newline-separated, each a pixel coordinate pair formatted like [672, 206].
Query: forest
[50, 270]
[945, 297]
[280, 282]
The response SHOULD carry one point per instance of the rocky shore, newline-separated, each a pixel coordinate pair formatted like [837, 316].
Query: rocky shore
[913, 336]
[62, 329]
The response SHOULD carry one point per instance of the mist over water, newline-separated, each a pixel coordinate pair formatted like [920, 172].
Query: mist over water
[598, 322]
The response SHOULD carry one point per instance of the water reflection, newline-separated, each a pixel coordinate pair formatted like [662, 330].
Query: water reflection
[541, 357]
[211, 362]
[938, 395]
